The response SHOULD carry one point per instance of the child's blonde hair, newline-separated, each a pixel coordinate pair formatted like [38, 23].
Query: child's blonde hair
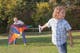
[57, 11]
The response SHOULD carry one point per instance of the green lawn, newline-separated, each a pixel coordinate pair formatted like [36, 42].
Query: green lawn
[37, 44]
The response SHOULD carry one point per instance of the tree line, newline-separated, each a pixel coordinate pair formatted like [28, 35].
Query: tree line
[35, 12]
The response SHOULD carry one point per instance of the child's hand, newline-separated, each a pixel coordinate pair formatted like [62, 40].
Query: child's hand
[71, 43]
[41, 27]
[70, 38]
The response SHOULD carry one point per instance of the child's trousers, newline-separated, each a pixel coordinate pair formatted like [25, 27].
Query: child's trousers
[23, 37]
[62, 48]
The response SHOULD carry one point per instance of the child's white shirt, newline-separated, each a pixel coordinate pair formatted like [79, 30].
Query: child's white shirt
[59, 30]
[19, 22]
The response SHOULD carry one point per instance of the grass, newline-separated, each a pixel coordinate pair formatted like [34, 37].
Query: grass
[40, 43]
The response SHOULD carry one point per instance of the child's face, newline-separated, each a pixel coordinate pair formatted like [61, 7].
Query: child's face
[61, 14]
[15, 19]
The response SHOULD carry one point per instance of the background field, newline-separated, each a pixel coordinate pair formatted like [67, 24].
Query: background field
[37, 43]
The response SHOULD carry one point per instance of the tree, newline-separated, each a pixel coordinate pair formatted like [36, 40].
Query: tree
[6, 12]
[42, 14]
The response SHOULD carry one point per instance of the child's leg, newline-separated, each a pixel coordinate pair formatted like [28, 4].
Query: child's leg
[14, 42]
[62, 48]
[23, 36]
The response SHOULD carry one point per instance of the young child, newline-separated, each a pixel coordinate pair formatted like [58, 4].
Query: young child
[17, 23]
[60, 27]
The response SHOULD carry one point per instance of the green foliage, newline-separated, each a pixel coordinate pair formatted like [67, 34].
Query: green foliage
[7, 12]
[32, 12]
[73, 16]
[42, 14]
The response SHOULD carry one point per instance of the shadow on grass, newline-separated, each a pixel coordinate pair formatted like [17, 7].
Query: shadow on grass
[37, 41]
[34, 41]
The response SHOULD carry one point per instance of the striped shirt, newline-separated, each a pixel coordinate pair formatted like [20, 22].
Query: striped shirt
[59, 30]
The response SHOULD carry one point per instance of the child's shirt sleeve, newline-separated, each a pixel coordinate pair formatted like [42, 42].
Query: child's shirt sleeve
[49, 23]
[67, 26]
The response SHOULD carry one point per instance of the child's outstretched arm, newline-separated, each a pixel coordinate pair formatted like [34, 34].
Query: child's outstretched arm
[70, 38]
[44, 26]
